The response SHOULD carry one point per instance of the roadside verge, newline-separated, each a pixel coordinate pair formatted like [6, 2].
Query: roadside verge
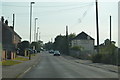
[16, 70]
[112, 68]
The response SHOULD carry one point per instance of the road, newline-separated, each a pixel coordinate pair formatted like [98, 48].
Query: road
[51, 66]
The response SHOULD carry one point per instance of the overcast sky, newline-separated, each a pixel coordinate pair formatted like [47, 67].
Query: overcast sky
[54, 16]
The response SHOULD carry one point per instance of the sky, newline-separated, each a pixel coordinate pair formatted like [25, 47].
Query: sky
[54, 15]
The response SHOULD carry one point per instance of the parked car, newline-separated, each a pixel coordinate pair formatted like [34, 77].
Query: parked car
[35, 51]
[29, 50]
[51, 51]
[56, 53]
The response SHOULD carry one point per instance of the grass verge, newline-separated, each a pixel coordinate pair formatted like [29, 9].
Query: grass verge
[21, 59]
[9, 63]
[31, 55]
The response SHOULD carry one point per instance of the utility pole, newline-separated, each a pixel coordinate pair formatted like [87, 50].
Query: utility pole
[13, 21]
[67, 40]
[35, 30]
[97, 27]
[110, 29]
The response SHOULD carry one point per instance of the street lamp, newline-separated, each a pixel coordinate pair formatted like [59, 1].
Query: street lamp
[31, 18]
[30, 25]
[35, 30]
[37, 34]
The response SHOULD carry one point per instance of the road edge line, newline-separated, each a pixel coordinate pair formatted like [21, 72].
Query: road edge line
[33, 65]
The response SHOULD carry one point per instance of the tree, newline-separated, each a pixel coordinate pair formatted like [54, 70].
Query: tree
[60, 44]
[22, 46]
[107, 54]
[71, 36]
[107, 42]
[38, 45]
[34, 44]
[48, 46]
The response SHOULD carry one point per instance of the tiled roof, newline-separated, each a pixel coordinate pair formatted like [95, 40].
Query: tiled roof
[83, 36]
[10, 29]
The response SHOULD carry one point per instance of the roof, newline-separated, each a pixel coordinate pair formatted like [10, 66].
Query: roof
[83, 36]
[10, 29]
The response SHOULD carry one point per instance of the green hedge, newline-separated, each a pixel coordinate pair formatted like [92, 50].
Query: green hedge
[105, 58]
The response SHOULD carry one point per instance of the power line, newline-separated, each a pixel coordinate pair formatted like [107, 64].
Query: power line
[59, 10]
[81, 19]
[74, 7]
[67, 9]
[85, 13]
[44, 5]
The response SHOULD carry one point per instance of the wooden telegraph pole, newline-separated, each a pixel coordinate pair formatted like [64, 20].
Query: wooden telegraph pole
[67, 40]
[97, 27]
[110, 29]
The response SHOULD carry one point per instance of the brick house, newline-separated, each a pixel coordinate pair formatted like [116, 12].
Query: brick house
[10, 39]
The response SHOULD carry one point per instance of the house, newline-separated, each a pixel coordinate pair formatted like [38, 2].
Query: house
[85, 41]
[10, 39]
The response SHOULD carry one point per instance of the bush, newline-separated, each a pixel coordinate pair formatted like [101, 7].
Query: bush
[107, 54]
[96, 58]
[77, 48]
[105, 58]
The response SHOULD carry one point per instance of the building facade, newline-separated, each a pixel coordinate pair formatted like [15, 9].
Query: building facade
[85, 41]
[10, 39]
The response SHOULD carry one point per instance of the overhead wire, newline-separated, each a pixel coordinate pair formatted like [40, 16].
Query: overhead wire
[59, 10]
[69, 7]
[8, 5]
[83, 16]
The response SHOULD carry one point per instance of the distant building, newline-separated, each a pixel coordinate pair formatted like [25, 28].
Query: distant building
[85, 41]
[10, 39]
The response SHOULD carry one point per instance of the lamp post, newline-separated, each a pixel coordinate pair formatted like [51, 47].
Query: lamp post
[35, 30]
[37, 34]
[30, 24]
[31, 18]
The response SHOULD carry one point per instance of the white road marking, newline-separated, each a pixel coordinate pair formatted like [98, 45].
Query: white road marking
[27, 70]
[33, 65]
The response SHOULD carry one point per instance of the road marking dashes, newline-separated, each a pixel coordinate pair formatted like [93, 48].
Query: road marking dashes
[27, 70]
[33, 65]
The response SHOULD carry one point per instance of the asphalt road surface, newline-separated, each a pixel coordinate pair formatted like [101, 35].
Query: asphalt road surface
[51, 66]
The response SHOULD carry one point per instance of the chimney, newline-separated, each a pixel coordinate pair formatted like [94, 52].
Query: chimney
[2, 19]
[6, 22]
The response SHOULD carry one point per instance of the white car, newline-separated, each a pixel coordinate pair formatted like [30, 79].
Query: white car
[56, 53]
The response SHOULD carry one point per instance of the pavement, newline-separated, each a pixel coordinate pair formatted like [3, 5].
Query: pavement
[16, 70]
[112, 68]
